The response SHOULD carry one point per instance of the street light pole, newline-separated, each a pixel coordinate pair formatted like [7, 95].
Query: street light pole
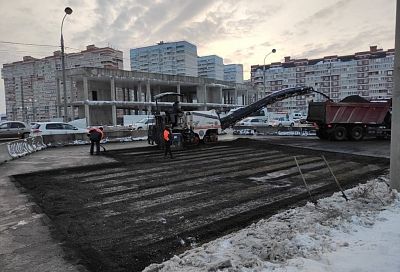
[273, 51]
[68, 11]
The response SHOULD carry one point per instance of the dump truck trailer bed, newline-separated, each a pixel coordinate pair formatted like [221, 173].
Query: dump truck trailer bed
[350, 120]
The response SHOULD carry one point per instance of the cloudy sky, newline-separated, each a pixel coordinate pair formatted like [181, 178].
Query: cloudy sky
[239, 31]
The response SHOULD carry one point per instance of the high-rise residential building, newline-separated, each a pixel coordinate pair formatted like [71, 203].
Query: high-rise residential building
[233, 73]
[173, 58]
[368, 74]
[211, 67]
[32, 91]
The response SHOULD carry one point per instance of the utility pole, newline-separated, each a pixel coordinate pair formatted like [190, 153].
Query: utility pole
[68, 11]
[273, 51]
[395, 133]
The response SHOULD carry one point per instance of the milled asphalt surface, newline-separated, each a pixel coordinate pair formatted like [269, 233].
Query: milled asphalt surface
[25, 240]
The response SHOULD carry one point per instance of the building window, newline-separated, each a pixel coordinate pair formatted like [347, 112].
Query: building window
[94, 95]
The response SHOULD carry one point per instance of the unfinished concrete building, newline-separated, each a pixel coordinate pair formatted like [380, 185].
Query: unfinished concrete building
[103, 96]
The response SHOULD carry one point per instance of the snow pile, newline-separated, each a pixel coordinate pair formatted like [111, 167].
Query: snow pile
[285, 241]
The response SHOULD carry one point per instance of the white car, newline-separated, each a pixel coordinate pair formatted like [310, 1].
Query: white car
[51, 128]
[252, 121]
[280, 122]
[144, 123]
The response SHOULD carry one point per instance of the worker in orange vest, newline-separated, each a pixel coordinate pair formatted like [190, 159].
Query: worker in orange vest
[95, 136]
[167, 136]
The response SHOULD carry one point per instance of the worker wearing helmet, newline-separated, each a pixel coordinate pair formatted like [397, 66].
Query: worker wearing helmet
[167, 136]
[95, 135]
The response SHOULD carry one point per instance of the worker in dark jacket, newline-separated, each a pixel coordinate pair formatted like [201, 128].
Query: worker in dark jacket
[167, 136]
[95, 136]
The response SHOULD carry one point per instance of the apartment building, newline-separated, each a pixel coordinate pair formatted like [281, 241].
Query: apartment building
[233, 73]
[32, 90]
[368, 74]
[211, 67]
[172, 58]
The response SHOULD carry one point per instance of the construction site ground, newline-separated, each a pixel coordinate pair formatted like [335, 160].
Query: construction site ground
[64, 210]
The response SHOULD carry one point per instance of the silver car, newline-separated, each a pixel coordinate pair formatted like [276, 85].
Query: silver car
[14, 130]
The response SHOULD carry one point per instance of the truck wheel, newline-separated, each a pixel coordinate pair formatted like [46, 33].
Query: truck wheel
[340, 133]
[196, 140]
[357, 133]
[213, 137]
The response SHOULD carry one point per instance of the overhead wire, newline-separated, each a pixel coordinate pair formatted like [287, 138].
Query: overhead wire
[35, 44]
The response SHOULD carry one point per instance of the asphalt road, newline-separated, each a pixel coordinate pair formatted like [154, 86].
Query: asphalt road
[142, 208]
[74, 211]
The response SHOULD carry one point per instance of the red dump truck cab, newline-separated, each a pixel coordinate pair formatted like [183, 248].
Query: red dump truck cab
[350, 120]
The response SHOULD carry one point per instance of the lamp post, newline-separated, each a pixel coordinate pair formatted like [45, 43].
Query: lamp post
[273, 51]
[68, 11]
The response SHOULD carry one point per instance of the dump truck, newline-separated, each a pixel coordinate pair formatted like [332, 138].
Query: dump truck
[353, 118]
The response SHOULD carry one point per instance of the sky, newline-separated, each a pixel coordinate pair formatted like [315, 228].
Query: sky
[360, 235]
[239, 31]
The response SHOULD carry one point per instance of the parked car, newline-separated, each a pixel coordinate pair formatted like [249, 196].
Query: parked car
[50, 128]
[144, 123]
[280, 122]
[252, 121]
[14, 130]
[299, 117]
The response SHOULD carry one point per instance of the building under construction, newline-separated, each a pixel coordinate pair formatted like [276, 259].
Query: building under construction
[103, 96]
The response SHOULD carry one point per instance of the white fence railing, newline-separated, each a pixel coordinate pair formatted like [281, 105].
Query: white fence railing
[19, 148]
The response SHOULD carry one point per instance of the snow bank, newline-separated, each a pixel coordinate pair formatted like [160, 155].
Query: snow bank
[294, 239]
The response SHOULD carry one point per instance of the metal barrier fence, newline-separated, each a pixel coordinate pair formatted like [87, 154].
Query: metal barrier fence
[19, 148]
[82, 138]
[281, 131]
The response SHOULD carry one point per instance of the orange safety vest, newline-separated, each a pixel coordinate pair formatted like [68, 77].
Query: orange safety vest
[166, 134]
[98, 131]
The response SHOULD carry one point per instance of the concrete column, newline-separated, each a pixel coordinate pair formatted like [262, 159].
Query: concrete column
[204, 91]
[148, 95]
[139, 98]
[72, 97]
[113, 107]
[247, 98]
[235, 100]
[85, 98]
[124, 99]
[58, 109]
[178, 90]
[221, 96]
[130, 98]
[148, 91]
[139, 91]
[394, 145]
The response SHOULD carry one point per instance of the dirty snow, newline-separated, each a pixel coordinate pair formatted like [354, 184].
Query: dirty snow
[362, 234]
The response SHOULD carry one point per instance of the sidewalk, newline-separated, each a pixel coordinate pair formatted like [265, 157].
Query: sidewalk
[25, 240]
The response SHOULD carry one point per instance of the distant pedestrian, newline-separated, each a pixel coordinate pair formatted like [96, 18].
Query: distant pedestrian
[95, 136]
[167, 136]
